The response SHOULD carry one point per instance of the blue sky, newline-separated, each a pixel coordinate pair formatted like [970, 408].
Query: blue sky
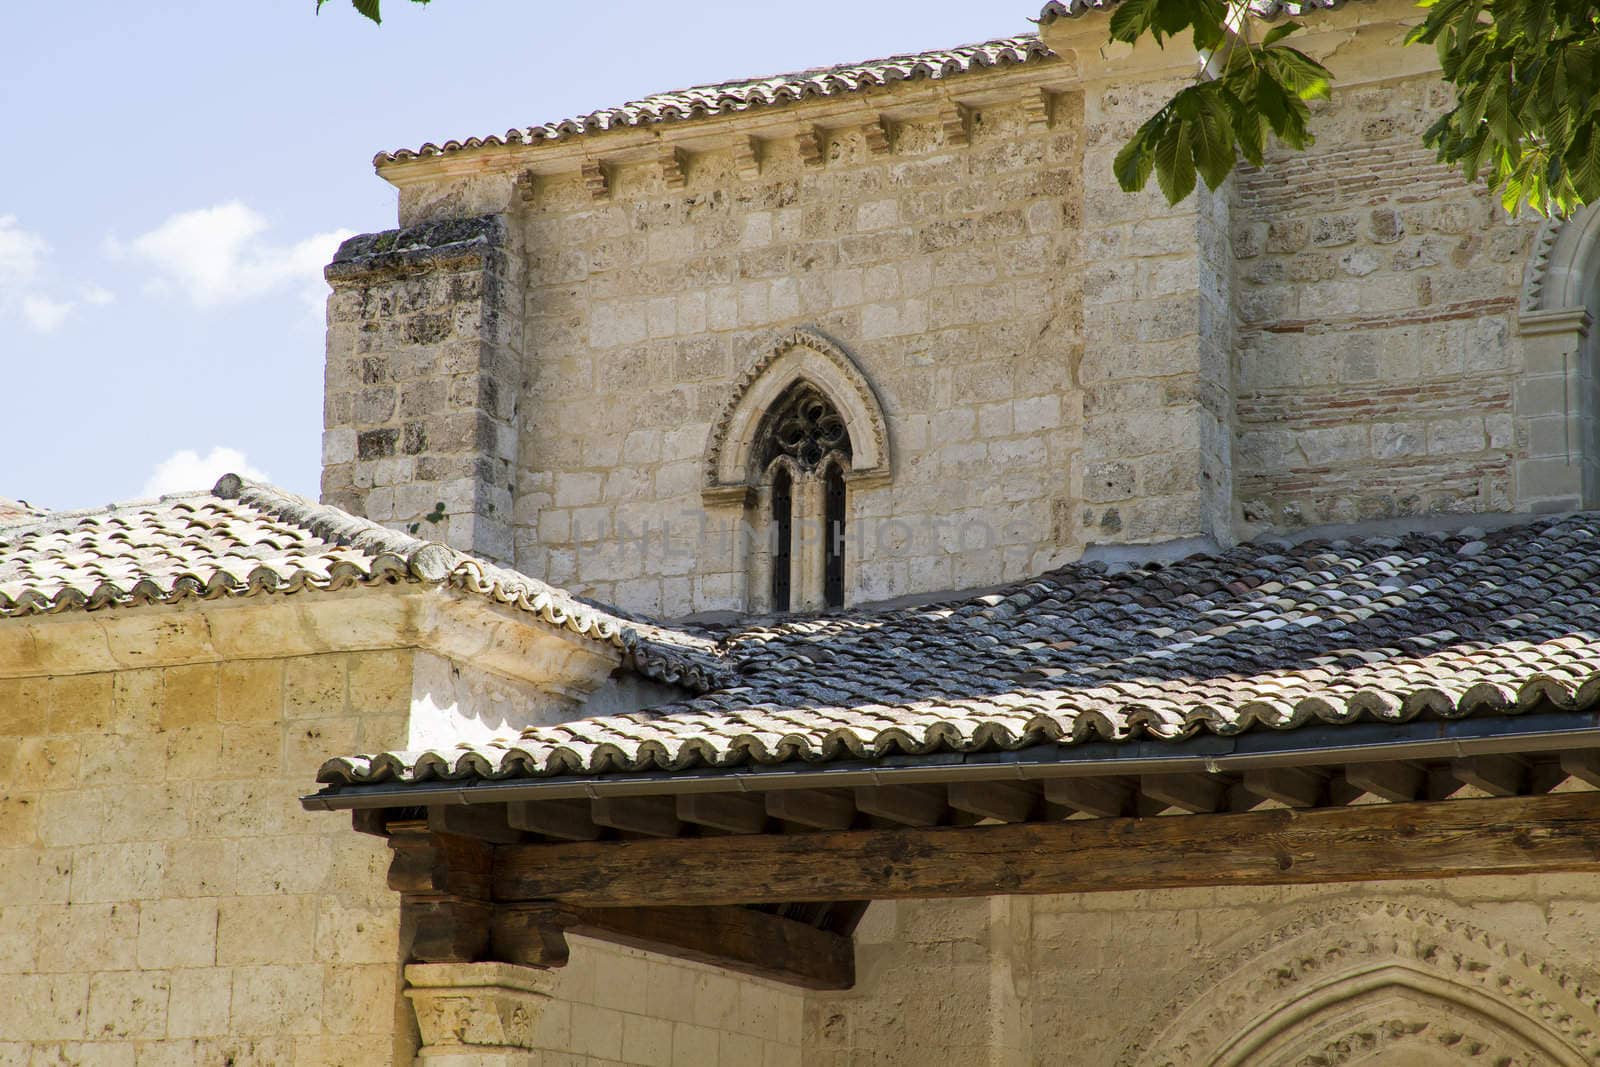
[176, 174]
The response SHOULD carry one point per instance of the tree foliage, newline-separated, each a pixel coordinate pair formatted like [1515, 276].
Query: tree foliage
[1526, 75]
[369, 8]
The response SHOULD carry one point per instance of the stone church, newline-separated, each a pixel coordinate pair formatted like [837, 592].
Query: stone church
[811, 573]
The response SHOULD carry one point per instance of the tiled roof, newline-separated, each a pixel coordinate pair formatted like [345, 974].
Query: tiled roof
[726, 98]
[244, 539]
[17, 511]
[1264, 636]
[1262, 9]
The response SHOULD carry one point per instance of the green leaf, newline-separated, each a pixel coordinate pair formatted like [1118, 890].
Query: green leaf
[1175, 162]
[1133, 163]
[1305, 76]
[368, 8]
[1131, 19]
[1212, 135]
[1278, 33]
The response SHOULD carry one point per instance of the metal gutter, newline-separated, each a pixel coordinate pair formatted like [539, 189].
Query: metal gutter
[1305, 747]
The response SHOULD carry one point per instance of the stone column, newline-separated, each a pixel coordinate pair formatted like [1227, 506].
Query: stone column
[424, 371]
[477, 1014]
[1554, 414]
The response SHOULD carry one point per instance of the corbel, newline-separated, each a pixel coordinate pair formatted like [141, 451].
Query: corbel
[674, 167]
[747, 157]
[811, 141]
[956, 122]
[443, 882]
[1039, 108]
[596, 179]
[527, 186]
[879, 133]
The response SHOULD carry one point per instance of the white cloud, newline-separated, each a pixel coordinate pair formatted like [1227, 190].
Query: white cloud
[21, 253]
[98, 297]
[187, 469]
[42, 313]
[23, 256]
[215, 256]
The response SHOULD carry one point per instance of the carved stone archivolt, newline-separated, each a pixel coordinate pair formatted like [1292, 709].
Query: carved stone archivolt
[803, 375]
[1378, 984]
[1563, 269]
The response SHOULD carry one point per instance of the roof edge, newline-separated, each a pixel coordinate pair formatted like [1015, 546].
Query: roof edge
[426, 561]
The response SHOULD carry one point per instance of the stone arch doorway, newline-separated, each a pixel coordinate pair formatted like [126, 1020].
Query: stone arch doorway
[1378, 986]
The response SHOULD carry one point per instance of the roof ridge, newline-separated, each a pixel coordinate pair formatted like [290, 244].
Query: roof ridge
[427, 561]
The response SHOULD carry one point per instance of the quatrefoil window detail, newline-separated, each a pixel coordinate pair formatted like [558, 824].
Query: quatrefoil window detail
[803, 426]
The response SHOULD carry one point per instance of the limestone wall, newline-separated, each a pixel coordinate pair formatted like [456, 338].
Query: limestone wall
[1378, 359]
[612, 1006]
[163, 899]
[946, 271]
[1168, 977]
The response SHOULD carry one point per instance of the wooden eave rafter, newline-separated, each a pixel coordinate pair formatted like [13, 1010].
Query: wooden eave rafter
[771, 883]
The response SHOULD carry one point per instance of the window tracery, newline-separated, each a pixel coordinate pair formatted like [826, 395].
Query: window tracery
[803, 449]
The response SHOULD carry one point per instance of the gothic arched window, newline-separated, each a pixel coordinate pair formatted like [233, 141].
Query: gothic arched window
[803, 449]
[802, 435]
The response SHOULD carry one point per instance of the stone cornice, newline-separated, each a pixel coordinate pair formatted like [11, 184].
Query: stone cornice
[882, 107]
[452, 623]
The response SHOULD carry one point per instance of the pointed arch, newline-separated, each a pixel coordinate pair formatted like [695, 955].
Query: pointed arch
[732, 467]
[1560, 303]
[1378, 983]
[1563, 271]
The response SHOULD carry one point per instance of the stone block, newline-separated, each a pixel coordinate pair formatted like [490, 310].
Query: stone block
[177, 933]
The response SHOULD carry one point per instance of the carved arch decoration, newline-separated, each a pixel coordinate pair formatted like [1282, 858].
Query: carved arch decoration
[1564, 268]
[732, 468]
[1378, 985]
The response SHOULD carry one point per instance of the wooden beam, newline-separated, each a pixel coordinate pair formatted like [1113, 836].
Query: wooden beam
[1006, 801]
[1106, 798]
[487, 822]
[1195, 793]
[1501, 776]
[568, 820]
[1284, 846]
[733, 938]
[1583, 764]
[909, 805]
[1294, 786]
[737, 813]
[820, 809]
[443, 881]
[653, 816]
[1393, 780]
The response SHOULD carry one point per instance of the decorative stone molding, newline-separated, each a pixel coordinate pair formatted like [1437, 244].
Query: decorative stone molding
[804, 355]
[1352, 982]
[1564, 268]
[489, 1009]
